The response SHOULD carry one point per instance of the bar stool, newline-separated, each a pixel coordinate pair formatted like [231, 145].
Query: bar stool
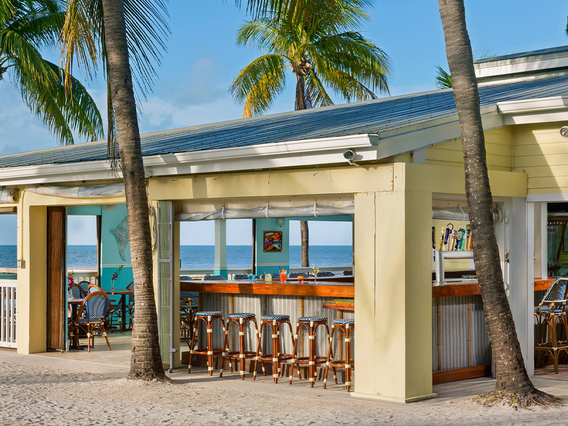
[311, 324]
[276, 357]
[241, 320]
[347, 325]
[208, 317]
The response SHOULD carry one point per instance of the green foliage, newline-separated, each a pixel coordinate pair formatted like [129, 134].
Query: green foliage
[27, 26]
[82, 41]
[443, 78]
[326, 52]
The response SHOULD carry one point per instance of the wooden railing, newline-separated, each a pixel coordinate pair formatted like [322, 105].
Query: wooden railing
[8, 313]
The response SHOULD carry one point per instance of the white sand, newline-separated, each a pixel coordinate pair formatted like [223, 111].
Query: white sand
[59, 391]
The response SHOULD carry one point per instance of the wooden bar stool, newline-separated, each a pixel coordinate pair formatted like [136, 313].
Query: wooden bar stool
[311, 325]
[241, 320]
[208, 317]
[276, 357]
[347, 326]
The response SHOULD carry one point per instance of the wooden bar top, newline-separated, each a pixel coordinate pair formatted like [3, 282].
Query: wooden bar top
[448, 290]
[288, 288]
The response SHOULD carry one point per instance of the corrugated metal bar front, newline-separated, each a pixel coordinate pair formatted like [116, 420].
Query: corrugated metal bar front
[459, 336]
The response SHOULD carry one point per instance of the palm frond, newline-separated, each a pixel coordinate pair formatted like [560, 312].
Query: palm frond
[307, 12]
[347, 57]
[259, 83]
[443, 78]
[46, 97]
[315, 90]
[265, 34]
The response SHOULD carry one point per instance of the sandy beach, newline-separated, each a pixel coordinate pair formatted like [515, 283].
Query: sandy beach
[54, 390]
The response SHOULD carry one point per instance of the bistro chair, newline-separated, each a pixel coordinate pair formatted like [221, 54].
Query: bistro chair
[311, 324]
[240, 277]
[273, 322]
[550, 314]
[241, 320]
[130, 305]
[189, 304]
[84, 286]
[208, 317]
[297, 274]
[347, 326]
[326, 274]
[96, 307]
[77, 292]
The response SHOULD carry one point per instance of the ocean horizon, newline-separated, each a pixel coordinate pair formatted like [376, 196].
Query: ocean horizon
[199, 257]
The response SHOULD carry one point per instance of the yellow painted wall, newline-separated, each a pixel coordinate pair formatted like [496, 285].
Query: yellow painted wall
[542, 153]
[498, 144]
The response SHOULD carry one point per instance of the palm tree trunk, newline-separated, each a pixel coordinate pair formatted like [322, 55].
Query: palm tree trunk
[145, 362]
[511, 374]
[304, 229]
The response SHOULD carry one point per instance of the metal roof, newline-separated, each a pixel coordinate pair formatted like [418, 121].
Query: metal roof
[369, 117]
[559, 49]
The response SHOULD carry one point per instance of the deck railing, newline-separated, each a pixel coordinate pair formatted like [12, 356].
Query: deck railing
[8, 313]
[90, 275]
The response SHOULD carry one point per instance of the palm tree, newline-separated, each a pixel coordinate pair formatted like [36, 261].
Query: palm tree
[125, 35]
[27, 27]
[327, 52]
[513, 384]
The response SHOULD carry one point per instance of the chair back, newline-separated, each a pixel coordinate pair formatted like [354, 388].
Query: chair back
[189, 299]
[93, 288]
[84, 286]
[77, 292]
[96, 305]
[326, 274]
[556, 291]
[240, 277]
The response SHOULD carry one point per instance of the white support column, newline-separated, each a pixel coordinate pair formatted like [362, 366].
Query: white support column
[544, 240]
[220, 247]
[521, 275]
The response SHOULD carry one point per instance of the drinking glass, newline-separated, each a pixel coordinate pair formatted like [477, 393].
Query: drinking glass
[315, 270]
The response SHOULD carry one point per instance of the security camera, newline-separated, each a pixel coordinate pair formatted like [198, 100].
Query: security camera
[349, 155]
[563, 132]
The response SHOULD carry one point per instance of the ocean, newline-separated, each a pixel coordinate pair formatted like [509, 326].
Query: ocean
[200, 257]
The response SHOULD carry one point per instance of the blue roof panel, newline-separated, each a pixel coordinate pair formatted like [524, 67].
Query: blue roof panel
[342, 120]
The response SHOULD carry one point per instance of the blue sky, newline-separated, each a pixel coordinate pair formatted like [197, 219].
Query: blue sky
[203, 59]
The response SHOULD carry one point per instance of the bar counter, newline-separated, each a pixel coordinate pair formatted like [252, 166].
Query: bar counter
[311, 288]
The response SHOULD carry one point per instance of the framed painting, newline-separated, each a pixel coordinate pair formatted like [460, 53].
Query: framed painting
[272, 241]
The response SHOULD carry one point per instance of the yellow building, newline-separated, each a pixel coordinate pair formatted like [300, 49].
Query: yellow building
[388, 164]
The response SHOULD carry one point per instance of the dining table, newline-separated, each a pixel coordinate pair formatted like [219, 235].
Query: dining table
[122, 294]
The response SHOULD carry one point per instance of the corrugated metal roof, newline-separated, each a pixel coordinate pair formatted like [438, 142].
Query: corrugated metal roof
[342, 120]
[559, 49]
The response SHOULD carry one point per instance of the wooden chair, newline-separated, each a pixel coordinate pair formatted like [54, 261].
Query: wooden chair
[311, 324]
[347, 326]
[189, 304]
[95, 306]
[77, 292]
[84, 286]
[274, 322]
[551, 315]
[240, 320]
[208, 317]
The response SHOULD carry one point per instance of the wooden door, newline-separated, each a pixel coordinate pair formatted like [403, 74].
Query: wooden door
[56, 278]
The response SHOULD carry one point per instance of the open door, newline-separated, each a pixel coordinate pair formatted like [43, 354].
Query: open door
[56, 278]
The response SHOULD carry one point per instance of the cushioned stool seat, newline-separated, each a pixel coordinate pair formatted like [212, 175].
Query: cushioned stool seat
[310, 319]
[245, 315]
[275, 317]
[208, 313]
[344, 321]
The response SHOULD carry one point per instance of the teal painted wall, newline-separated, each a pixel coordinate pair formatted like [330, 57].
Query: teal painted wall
[270, 262]
[110, 255]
